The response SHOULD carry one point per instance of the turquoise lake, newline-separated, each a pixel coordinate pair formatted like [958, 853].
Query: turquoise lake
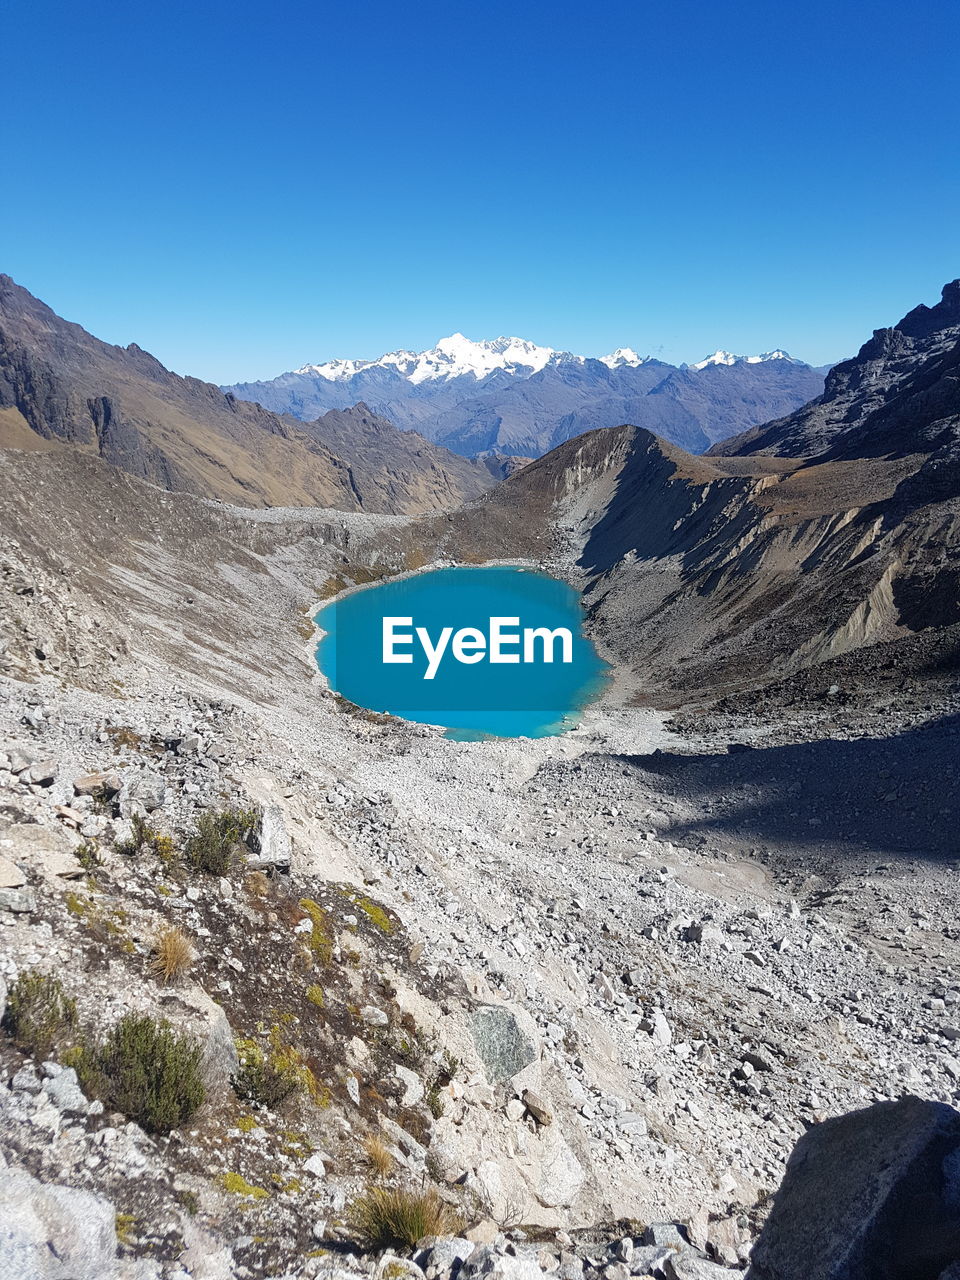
[472, 697]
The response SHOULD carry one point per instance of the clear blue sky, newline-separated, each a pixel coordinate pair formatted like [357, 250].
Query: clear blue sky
[244, 188]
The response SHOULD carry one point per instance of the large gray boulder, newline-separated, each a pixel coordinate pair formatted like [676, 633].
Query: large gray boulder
[269, 841]
[49, 1232]
[873, 1195]
[504, 1046]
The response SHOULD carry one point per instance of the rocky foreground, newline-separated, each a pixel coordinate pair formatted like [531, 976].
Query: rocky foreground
[589, 997]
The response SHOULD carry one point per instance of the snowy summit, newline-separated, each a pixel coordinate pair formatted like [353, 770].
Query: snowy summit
[725, 357]
[453, 357]
[460, 357]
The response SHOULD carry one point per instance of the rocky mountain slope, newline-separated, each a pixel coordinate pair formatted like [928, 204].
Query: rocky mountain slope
[898, 395]
[517, 398]
[59, 386]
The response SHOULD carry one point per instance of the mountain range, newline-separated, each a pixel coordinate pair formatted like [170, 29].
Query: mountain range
[62, 387]
[512, 396]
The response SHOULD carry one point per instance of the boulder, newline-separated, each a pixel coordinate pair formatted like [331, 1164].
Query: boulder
[537, 1107]
[47, 850]
[486, 1261]
[11, 877]
[691, 1266]
[50, 1232]
[269, 841]
[42, 773]
[91, 784]
[142, 793]
[504, 1047]
[872, 1195]
[561, 1173]
[64, 1091]
[18, 900]
[440, 1255]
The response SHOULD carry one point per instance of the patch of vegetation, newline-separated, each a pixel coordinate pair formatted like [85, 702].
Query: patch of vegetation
[189, 1200]
[247, 1123]
[125, 1228]
[145, 838]
[239, 1186]
[107, 923]
[150, 1072]
[296, 1144]
[173, 955]
[87, 853]
[398, 1217]
[306, 628]
[372, 910]
[270, 1074]
[319, 942]
[257, 884]
[315, 995]
[214, 847]
[40, 1015]
[379, 1154]
[123, 736]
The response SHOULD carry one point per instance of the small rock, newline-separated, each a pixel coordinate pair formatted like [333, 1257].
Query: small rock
[537, 1107]
[91, 784]
[11, 877]
[18, 900]
[374, 1017]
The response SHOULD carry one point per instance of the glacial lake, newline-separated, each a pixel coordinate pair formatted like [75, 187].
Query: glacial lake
[482, 634]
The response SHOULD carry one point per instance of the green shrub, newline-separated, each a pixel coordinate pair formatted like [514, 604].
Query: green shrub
[397, 1217]
[145, 838]
[151, 1073]
[214, 845]
[39, 1013]
[88, 855]
[264, 1078]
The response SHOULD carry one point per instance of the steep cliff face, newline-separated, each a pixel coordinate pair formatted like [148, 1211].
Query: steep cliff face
[60, 386]
[900, 394]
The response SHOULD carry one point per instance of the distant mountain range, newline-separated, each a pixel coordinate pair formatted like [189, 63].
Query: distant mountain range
[511, 396]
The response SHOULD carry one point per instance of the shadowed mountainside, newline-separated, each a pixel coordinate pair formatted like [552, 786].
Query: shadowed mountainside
[60, 386]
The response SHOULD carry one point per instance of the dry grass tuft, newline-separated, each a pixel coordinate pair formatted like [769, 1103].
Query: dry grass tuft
[397, 1217]
[173, 955]
[379, 1155]
[257, 884]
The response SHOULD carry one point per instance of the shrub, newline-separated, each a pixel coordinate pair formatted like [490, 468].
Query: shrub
[145, 838]
[379, 1155]
[173, 954]
[88, 855]
[214, 846]
[397, 1217]
[150, 1073]
[39, 1013]
[263, 1079]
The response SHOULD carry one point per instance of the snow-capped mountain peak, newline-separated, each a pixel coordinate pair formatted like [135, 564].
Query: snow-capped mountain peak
[460, 357]
[726, 357]
[452, 357]
[624, 356]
